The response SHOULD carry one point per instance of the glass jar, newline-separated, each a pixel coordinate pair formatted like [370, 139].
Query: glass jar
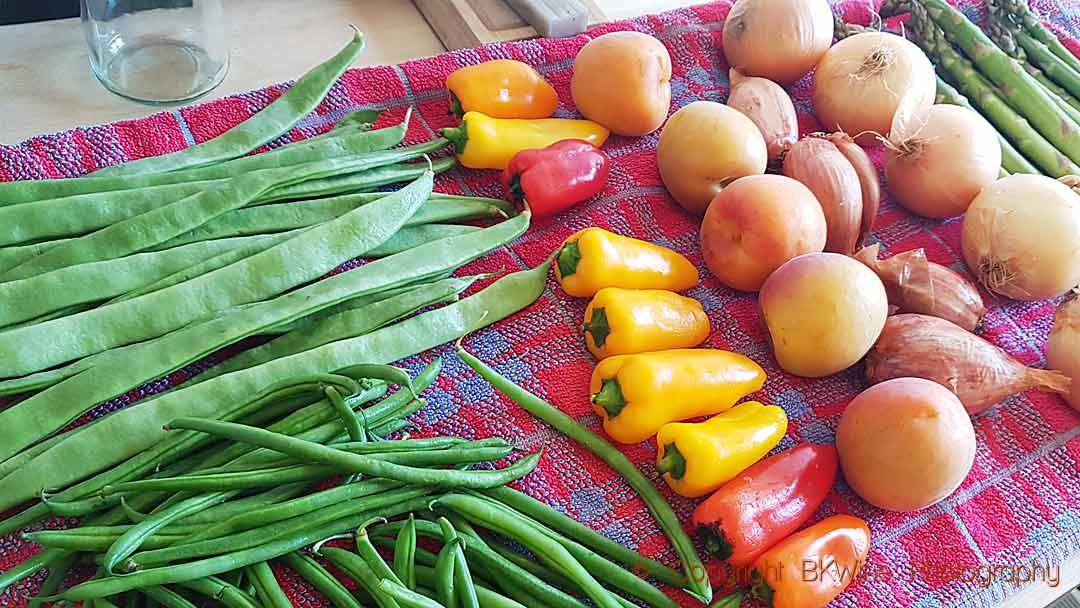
[156, 51]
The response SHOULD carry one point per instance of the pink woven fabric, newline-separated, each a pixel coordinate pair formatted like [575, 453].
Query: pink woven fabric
[1020, 505]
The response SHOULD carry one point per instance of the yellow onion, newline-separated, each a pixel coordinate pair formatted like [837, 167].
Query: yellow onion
[938, 163]
[1063, 346]
[780, 40]
[1021, 237]
[859, 84]
[769, 107]
[822, 168]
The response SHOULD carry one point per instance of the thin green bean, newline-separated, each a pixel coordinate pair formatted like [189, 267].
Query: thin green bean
[357, 463]
[697, 579]
[215, 588]
[507, 296]
[274, 120]
[166, 597]
[321, 579]
[408, 598]
[405, 554]
[487, 597]
[280, 529]
[273, 596]
[234, 508]
[133, 538]
[360, 571]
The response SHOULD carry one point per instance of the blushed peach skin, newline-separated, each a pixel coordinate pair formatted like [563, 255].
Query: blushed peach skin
[755, 225]
[824, 311]
[905, 444]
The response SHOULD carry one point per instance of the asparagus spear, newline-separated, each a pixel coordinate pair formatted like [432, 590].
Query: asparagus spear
[1011, 159]
[1059, 71]
[983, 95]
[1021, 14]
[1022, 91]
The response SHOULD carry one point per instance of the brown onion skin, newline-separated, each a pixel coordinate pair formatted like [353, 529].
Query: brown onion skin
[868, 179]
[820, 166]
[769, 106]
[979, 373]
[1063, 346]
[915, 284]
[781, 40]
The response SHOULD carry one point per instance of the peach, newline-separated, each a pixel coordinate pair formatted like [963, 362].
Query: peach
[824, 311]
[758, 223]
[905, 444]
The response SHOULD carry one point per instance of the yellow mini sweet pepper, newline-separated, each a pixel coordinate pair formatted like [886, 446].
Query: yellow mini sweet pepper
[483, 142]
[594, 258]
[501, 88]
[697, 458]
[637, 394]
[627, 321]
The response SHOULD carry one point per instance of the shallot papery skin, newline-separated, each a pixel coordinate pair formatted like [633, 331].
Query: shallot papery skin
[915, 284]
[769, 107]
[981, 374]
[819, 165]
[868, 179]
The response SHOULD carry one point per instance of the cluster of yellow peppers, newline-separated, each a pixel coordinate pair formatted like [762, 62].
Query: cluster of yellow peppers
[650, 377]
[504, 106]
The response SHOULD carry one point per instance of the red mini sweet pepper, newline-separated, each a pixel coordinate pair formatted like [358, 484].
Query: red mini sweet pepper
[765, 503]
[557, 177]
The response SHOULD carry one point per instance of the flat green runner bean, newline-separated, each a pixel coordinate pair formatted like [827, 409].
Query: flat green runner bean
[302, 258]
[273, 121]
[84, 213]
[96, 281]
[82, 455]
[365, 181]
[331, 144]
[163, 223]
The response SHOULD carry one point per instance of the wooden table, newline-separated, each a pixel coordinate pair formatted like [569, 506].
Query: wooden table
[46, 84]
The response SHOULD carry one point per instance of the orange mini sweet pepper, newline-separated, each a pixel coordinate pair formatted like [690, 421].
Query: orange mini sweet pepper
[501, 88]
[627, 321]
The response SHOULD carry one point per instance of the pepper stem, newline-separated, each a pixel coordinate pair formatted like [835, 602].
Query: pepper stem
[761, 590]
[455, 106]
[459, 136]
[715, 541]
[516, 193]
[672, 462]
[598, 327]
[732, 600]
[610, 397]
[568, 258]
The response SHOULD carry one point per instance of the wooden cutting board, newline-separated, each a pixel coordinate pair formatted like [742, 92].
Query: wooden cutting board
[461, 24]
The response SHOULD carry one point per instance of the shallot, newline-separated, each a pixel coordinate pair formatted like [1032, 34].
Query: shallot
[821, 167]
[915, 284]
[981, 374]
[868, 179]
[768, 105]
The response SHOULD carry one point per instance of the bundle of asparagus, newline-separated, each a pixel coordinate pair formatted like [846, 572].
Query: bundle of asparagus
[1020, 77]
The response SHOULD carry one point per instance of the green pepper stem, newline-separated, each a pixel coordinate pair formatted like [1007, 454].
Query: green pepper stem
[516, 193]
[672, 462]
[459, 136]
[715, 541]
[455, 106]
[760, 590]
[610, 397]
[568, 258]
[598, 327]
[732, 600]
